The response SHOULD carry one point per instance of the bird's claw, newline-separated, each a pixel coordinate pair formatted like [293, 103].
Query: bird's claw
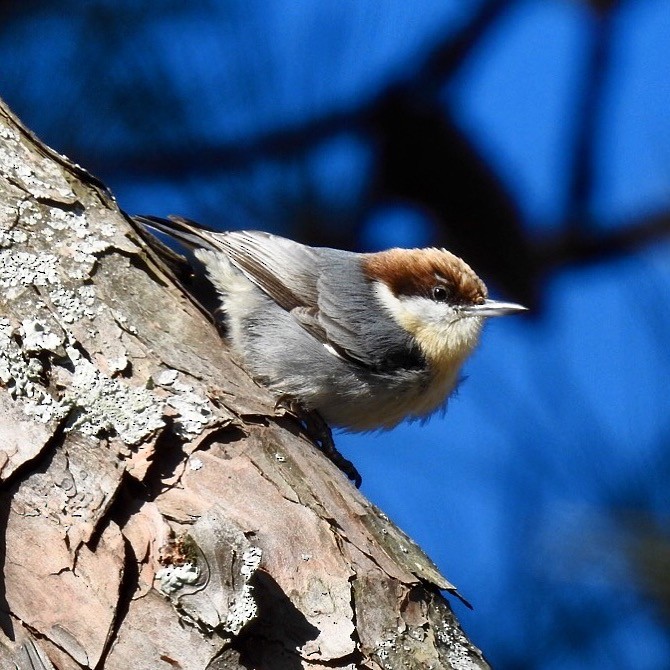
[319, 431]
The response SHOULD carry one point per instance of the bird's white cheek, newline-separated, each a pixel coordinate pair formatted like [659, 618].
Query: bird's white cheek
[445, 337]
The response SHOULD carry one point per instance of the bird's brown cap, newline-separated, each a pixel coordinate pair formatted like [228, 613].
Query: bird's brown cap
[416, 272]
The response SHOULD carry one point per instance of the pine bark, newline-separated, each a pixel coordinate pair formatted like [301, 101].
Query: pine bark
[157, 511]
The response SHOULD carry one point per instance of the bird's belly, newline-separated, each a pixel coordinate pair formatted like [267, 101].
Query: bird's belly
[387, 405]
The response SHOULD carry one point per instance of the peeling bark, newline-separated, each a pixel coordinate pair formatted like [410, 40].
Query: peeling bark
[158, 512]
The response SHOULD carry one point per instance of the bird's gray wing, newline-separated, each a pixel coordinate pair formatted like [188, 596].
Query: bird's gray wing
[323, 289]
[320, 287]
[328, 294]
[286, 270]
[352, 316]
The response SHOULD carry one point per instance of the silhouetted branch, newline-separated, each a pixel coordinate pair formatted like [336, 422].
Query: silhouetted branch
[588, 116]
[428, 78]
[580, 245]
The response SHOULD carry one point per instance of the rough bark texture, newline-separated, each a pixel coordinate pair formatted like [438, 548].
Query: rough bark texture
[157, 512]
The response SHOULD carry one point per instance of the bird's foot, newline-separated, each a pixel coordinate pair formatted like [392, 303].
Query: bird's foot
[319, 431]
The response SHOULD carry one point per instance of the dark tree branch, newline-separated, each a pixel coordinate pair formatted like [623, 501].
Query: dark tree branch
[584, 245]
[588, 116]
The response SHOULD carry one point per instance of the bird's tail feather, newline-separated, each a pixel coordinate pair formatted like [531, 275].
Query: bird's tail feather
[187, 232]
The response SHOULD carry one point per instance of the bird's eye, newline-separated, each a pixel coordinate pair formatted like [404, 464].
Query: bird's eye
[440, 293]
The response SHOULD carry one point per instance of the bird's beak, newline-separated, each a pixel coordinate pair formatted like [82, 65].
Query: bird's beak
[492, 308]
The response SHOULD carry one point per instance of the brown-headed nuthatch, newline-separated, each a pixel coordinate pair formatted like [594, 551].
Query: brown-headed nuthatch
[364, 339]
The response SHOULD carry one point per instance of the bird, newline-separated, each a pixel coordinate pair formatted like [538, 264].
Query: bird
[359, 341]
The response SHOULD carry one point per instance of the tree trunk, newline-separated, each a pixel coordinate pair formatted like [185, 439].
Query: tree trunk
[158, 512]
